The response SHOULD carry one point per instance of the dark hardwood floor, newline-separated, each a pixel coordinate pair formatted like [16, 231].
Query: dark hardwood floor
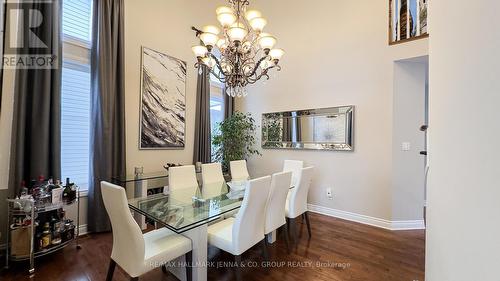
[338, 250]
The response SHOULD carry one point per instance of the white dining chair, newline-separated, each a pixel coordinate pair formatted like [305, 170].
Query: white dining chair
[138, 253]
[212, 180]
[296, 204]
[239, 171]
[212, 173]
[293, 166]
[237, 235]
[182, 177]
[276, 204]
[182, 183]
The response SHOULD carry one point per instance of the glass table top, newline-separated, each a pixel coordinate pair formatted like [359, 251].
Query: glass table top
[141, 177]
[183, 209]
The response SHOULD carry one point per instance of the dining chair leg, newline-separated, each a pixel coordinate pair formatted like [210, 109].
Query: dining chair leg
[308, 223]
[285, 234]
[111, 270]
[189, 266]
[237, 259]
[293, 230]
[265, 254]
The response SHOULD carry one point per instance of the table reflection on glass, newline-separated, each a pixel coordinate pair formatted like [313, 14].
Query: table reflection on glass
[183, 209]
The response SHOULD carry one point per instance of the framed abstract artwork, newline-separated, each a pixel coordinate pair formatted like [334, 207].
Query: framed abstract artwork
[163, 101]
[407, 20]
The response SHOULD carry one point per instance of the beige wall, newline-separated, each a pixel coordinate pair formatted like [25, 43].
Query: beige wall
[164, 26]
[336, 54]
[463, 234]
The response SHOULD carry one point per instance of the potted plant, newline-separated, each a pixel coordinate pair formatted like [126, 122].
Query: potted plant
[234, 139]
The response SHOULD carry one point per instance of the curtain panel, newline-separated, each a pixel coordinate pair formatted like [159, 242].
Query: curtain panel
[107, 136]
[36, 125]
[202, 134]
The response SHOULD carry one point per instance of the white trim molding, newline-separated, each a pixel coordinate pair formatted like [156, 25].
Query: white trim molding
[82, 229]
[377, 222]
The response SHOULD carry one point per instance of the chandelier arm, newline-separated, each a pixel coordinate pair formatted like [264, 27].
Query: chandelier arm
[221, 79]
[217, 63]
[197, 30]
[257, 66]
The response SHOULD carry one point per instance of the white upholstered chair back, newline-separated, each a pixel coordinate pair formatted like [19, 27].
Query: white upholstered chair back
[182, 177]
[212, 173]
[128, 241]
[276, 202]
[297, 201]
[248, 227]
[293, 166]
[239, 171]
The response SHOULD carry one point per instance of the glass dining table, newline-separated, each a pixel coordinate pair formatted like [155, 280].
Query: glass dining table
[187, 211]
[183, 209]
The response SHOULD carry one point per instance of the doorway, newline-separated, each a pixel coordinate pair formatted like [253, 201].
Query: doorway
[410, 119]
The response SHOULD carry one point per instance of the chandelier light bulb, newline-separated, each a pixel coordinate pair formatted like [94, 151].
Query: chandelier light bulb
[276, 54]
[267, 42]
[199, 51]
[224, 9]
[258, 24]
[211, 29]
[226, 19]
[209, 39]
[237, 33]
[251, 14]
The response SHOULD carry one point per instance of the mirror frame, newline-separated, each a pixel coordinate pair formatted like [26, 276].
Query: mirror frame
[347, 145]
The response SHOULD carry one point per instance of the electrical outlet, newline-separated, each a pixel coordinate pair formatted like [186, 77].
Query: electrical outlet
[329, 193]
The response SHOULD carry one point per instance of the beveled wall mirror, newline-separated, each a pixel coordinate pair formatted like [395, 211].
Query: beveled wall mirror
[322, 129]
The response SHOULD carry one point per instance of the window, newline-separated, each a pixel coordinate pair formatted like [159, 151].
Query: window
[216, 106]
[75, 91]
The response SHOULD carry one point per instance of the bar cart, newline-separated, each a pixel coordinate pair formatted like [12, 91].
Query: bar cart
[24, 242]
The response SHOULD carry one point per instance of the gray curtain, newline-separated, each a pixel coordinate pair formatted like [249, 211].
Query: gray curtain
[228, 105]
[36, 132]
[202, 134]
[107, 106]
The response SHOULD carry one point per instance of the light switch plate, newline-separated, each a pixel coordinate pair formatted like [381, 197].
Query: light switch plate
[405, 146]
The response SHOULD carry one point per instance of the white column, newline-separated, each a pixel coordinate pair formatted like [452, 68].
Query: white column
[198, 238]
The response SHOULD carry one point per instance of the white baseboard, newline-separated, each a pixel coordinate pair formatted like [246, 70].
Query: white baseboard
[382, 223]
[83, 229]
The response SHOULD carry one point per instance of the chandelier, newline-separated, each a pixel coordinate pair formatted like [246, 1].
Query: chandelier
[240, 53]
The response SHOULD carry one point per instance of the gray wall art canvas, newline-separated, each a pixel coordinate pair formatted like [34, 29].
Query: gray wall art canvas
[163, 101]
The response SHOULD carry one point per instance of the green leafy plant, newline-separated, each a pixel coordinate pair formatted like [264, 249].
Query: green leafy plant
[235, 139]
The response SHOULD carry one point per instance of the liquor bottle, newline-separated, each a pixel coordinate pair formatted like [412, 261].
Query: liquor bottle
[67, 191]
[56, 233]
[46, 235]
